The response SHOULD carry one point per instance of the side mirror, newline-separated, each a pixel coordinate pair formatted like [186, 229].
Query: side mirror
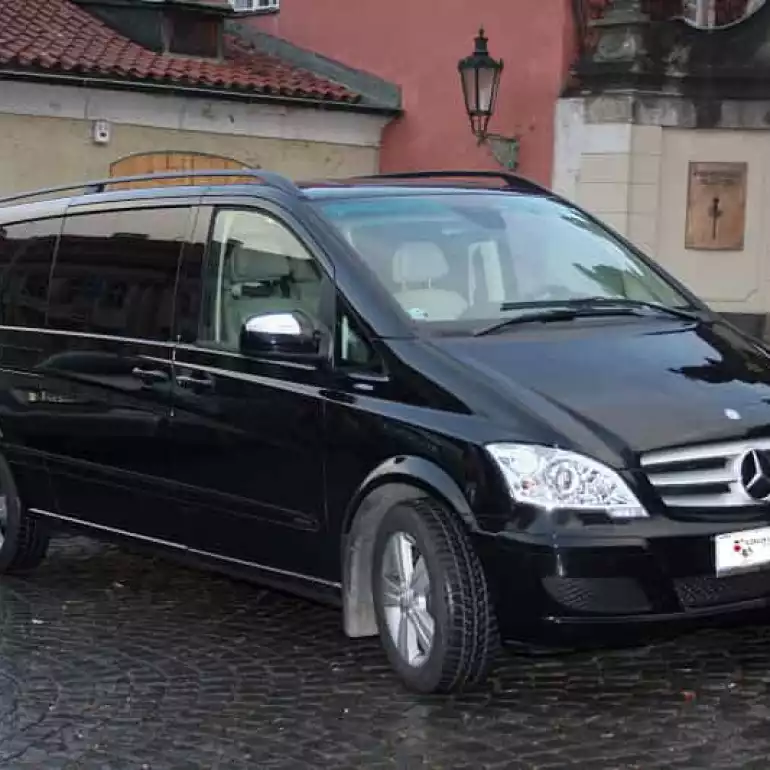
[291, 334]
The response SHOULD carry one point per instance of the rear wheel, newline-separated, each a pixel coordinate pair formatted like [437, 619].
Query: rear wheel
[23, 539]
[433, 607]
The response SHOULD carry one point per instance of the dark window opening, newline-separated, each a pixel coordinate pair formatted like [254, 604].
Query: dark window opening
[115, 272]
[193, 34]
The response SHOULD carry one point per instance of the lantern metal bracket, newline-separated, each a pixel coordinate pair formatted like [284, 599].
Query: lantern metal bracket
[504, 149]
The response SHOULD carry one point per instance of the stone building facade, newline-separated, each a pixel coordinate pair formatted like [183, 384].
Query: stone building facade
[88, 88]
[655, 108]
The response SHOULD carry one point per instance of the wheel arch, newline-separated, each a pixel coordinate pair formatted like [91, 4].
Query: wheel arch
[394, 481]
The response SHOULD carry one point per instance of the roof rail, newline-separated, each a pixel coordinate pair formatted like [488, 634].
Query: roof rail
[511, 180]
[100, 185]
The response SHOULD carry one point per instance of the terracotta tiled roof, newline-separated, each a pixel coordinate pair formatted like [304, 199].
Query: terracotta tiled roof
[59, 36]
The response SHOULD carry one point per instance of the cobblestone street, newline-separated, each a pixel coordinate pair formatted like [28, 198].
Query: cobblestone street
[112, 660]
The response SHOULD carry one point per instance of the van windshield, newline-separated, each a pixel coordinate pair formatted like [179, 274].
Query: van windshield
[457, 257]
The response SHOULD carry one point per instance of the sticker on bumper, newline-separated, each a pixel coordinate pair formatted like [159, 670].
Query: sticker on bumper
[742, 551]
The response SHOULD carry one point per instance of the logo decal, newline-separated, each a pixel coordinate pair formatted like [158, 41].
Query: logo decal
[754, 470]
[744, 550]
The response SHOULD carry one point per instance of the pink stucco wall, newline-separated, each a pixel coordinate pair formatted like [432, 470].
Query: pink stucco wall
[417, 44]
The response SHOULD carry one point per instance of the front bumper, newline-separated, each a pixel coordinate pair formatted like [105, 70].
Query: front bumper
[616, 584]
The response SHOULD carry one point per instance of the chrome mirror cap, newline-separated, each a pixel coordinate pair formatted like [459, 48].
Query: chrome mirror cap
[284, 324]
[292, 334]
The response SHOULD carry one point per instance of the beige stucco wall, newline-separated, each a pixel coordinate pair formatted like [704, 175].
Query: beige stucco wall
[620, 181]
[611, 169]
[635, 177]
[43, 151]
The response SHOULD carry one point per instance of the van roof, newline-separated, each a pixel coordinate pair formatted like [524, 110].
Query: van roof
[378, 184]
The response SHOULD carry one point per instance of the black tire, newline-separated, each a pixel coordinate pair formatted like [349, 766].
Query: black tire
[25, 539]
[465, 639]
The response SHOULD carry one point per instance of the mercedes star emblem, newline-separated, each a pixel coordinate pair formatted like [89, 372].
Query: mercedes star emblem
[754, 470]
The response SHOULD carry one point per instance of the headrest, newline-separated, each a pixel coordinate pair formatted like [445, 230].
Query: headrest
[419, 262]
[247, 265]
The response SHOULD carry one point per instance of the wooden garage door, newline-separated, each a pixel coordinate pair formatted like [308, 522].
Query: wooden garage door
[158, 162]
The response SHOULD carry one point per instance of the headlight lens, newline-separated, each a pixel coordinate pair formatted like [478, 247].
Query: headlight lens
[552, 478]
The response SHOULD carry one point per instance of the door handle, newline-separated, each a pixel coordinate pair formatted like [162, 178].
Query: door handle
[194, 383]
[150, 376]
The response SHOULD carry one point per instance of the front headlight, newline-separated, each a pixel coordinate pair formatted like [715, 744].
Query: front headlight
[552, 478]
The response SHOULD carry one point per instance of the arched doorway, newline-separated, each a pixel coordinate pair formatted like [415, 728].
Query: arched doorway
[170, 160]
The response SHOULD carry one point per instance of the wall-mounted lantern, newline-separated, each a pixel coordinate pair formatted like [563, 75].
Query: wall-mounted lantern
[480, 79]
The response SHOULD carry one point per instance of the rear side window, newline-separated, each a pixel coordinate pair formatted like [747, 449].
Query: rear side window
[115, 272]
[26, 251]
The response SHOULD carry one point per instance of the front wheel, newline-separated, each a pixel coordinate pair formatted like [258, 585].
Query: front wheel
[431, 599]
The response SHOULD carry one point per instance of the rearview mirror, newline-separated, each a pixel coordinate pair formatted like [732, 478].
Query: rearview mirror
[281, 333]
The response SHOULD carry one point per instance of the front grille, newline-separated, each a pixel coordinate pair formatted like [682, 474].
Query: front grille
[709, 591]
[705, 476]
[603, 596]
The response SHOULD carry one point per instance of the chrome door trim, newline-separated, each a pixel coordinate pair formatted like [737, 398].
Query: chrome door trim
[185, 549]
[234, 374]
[84, 335]
[158, 343]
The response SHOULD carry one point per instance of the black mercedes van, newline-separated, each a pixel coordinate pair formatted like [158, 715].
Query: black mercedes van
[453, 403]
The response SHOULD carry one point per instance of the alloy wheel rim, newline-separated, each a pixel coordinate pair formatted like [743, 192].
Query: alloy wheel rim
[406, 599]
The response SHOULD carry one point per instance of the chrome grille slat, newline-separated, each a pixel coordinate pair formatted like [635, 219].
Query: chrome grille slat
[727, 450]
[726, 500]
[721, 475]
[715, 481]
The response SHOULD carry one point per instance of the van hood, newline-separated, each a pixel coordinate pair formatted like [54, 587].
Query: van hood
[637, 384]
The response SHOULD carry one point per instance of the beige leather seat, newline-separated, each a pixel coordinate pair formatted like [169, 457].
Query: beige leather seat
[307, 286]
[416, 266]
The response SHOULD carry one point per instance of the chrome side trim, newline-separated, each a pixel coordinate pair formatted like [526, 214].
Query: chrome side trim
[186, 549]
[667, 471]
[234, 374]
[186, 347]
[28, 374]
[85, 335]
[274, 570]
[103, 528]
[158, 343]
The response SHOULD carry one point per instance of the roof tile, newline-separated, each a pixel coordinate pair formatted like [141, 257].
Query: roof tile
[59, 35]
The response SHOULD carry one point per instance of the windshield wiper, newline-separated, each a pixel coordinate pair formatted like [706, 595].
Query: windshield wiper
[583, 308]
[624, 302]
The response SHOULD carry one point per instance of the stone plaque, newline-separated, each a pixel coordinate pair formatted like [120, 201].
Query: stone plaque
[716, 206]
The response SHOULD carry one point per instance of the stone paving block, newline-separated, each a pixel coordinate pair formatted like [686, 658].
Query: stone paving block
[112, 660]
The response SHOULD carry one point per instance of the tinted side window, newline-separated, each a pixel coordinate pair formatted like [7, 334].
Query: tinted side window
[26, 251]
[115, 272]
[254, 264]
